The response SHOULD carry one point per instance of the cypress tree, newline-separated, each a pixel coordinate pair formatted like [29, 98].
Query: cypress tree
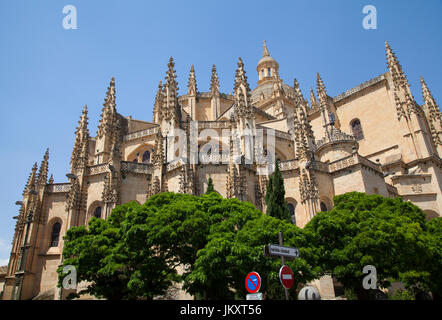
[210, 187]
[275, 196]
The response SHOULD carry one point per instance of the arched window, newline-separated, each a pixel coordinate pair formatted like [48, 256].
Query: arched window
[146, 156]
[55, 234]
[262, 73]
[269, 71]
[323, 207]
[292, 212]
[97, 212]
[356, 129]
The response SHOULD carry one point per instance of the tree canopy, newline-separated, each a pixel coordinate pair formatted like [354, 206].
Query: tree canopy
[216, 241]
[390, 234]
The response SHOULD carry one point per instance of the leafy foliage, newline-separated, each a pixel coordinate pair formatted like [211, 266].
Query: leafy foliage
[372, 230]
[215, 241]
[116, 259]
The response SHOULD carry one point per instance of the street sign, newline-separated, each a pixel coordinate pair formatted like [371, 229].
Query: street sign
[253, 282]
[286, 277]
[254, 296]
[277, 250]
[283, 252]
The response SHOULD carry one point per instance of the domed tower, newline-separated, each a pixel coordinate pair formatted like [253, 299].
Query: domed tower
[267, 67]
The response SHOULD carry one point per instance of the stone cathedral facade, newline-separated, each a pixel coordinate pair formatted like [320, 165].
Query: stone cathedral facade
[374, 138]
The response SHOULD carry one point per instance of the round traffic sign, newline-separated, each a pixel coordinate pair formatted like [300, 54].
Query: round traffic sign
[286, 277]
[253, 282]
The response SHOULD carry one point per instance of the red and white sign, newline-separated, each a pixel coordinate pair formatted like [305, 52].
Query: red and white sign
[253, 282]
[286, 277]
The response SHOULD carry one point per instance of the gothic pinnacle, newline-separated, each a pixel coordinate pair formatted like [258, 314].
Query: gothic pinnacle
[395, 67]
[109, 110]
[191, 86]
[171, 75]
[30, 185]
[313, 102]
[322, 94]
[43, 172]
[425, 91]
[110, 94]
[430, 104]
[214, 82]
[240, 76]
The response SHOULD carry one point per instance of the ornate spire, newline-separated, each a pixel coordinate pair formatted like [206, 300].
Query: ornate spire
[214, 82]
[158, 154]
[171, 83]
[432, 113]
[430, 102]
[30, 185]
[171, 108]
[242, 92]
[313, 101]
[192, 89]
[43, 172]
[158, 103]
[51, 179]
[240, 77]
[115, 156]
[301, 128]
[395, 68]
[80, 153]
[322, 94]
[265, 51]
[109, 111]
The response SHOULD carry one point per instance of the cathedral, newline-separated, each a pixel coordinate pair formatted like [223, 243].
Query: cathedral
[325, 146]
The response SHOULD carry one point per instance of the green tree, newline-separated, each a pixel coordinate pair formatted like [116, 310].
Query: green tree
[275, 196]
[216, 242]
[210, 187]
[389, 234]
[222, 265]
[114, 257]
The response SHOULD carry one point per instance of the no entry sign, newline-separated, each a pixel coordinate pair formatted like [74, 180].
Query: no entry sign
[286, 276]
[253, 282]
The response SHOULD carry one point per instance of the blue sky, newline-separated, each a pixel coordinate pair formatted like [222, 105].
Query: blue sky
[48, 73]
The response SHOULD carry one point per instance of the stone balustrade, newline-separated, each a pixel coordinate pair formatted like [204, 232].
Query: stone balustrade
[140, 134]
[134, 167]
[288, 165]
[58, 187]
[213, 124]
[97, 169]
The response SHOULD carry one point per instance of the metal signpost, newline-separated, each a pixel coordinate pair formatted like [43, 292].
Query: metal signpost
[284, 253]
